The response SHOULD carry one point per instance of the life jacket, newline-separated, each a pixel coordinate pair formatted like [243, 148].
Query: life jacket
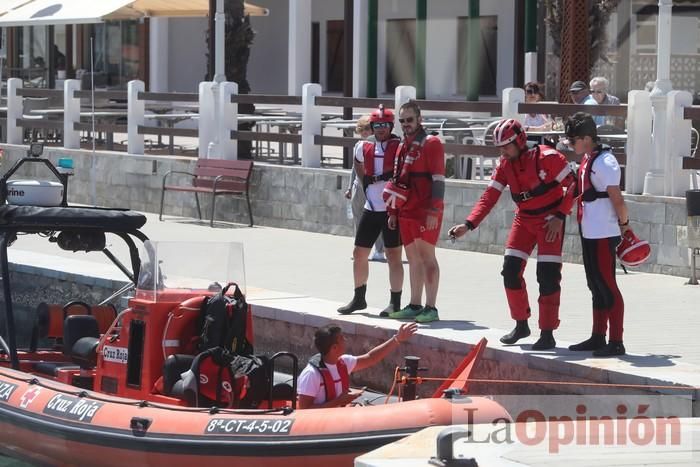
[584, 188]
[388, 159]
[328, 383]
[226, 322]
[542, 188]
[540, 199]
[181, 334]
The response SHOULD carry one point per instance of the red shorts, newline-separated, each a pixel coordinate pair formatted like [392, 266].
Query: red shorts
[412, 229]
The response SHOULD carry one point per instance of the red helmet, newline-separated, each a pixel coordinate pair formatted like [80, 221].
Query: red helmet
[632, 251]
[509, 131]
[382, 115]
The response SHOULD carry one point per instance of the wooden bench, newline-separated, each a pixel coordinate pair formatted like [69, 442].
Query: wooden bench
[216, 177]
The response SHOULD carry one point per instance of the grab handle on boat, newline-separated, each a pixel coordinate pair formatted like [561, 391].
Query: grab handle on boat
[295, 373]
[445, 449]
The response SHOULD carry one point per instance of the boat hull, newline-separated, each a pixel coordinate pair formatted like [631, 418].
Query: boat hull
[54, 424]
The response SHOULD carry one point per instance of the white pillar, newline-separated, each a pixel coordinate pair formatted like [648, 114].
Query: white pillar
[677, 180]
[220, 43]
[228, 121]
[160, 54]
[654, 180]
[402, 94]
[639, 143]
[135, 116]
[512, 97]
[359, 48]
[530, 66]
[207, 117]
[71, 114]
[299, 45]
[14, 111]
[310, 125]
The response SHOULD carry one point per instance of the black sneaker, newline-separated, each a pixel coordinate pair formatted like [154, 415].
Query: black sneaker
[545, 342]
[613, 349]
[354, 305]
[595, 342]
[520, 331]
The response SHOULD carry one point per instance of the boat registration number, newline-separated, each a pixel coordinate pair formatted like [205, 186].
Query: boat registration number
[232, 426]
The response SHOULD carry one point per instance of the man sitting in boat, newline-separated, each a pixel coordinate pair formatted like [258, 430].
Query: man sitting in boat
[325, 382]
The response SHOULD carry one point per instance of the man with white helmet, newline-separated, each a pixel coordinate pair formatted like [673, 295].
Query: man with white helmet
[541, 184]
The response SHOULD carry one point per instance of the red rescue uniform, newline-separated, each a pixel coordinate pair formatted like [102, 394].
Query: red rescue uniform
[541, 184]
[421, 167]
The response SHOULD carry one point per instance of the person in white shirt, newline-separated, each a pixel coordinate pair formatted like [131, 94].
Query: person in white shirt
[374, 165]
[602, 216]
[325, 381]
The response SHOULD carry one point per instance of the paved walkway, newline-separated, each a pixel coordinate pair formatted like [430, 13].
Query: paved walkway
[661, 319]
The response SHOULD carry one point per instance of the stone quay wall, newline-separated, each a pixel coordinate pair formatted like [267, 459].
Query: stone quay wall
[311, 199]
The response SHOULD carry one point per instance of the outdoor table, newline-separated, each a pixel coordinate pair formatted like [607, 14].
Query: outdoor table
[171, 120]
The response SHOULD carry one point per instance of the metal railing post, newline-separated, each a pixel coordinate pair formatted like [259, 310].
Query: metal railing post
[512, 97]
[677, 180]
[228, 121]
[15, 134]
[310, 125]
[135, 117]
[71, 114]
[639, 143]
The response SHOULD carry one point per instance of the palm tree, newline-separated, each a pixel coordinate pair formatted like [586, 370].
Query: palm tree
[239, 37]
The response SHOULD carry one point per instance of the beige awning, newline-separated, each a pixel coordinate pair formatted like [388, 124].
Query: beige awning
[46, 12]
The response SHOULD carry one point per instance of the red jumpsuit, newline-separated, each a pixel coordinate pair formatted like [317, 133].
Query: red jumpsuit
[537, 179]
[421, 167]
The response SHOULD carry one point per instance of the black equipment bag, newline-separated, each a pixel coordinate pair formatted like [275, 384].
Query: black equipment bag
[224, 322]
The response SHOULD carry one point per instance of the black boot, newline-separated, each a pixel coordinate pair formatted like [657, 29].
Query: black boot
[595, 342]
[545, 342]
[613, 349]
[521, 330]
[357, 303]
[394, 304]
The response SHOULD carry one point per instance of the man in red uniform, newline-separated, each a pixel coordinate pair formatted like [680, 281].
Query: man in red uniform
[421, 168]
[374, 165]
[541, 184]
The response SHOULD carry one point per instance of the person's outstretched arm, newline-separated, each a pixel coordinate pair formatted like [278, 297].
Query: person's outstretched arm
[378, 353]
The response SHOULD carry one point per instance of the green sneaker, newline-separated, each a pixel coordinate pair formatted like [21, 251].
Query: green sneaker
[407, 312]
[427, 315]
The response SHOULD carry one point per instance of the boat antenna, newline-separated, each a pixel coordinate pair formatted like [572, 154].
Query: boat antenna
[93, 193]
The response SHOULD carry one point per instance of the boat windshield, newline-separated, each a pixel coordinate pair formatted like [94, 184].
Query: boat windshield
[176, 266]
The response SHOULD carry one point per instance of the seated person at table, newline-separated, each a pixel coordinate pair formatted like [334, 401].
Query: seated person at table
[535, 122]
[325, 382]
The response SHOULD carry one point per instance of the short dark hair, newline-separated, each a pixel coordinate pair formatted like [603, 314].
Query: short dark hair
[410, 105]
[325, 337]
[581, 124]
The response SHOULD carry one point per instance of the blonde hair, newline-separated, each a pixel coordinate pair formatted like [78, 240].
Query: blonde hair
[362, 124]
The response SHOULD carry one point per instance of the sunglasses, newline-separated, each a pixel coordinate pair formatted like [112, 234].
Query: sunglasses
[381, 125]
[530, 91]
[406, 120]
[597, 92]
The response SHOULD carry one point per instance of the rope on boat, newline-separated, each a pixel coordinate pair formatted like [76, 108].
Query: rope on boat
[421, 379]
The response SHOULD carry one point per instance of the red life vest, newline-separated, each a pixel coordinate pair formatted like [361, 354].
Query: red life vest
[328, 383]
[388, 163]
[533, 185]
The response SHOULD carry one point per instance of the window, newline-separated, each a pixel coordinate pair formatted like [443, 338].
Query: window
[400, 53]
[488, 27]
[335, 55]
[117, 52]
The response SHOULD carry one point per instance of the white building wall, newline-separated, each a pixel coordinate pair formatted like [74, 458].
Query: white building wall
[267, 66]
[187, 64]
